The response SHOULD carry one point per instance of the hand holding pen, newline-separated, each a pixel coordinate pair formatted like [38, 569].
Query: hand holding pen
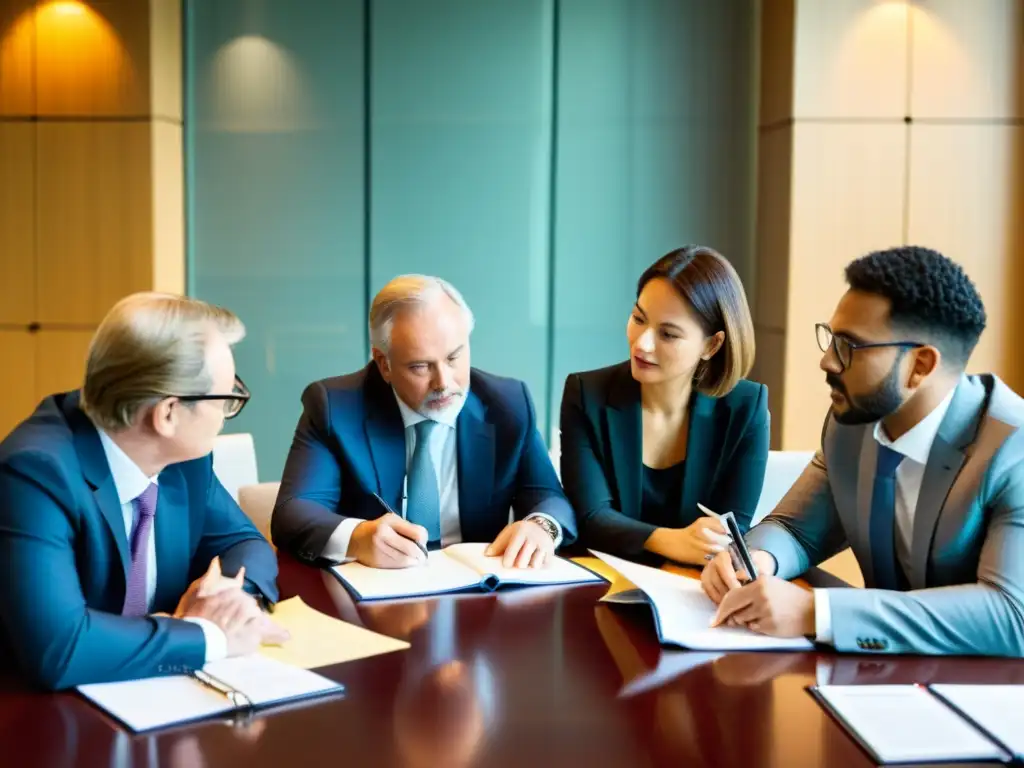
[390, 541]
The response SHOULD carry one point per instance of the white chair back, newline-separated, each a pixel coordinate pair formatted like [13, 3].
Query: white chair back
[257, 501]
[234, 462]
[784, 467]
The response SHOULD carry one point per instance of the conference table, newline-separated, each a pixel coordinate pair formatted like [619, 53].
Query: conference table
[532, 677]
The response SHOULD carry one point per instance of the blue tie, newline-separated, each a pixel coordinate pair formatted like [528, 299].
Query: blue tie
[424, 501]
[883, 520]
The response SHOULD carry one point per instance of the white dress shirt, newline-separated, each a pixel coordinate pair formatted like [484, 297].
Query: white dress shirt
[130, 482]
[445, 460]
[914, 445]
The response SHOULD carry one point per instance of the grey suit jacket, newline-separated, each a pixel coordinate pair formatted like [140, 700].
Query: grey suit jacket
[967, 552]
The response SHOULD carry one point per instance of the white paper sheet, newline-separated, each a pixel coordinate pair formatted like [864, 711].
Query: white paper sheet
[998, 709]
[684, 612]
[440, 574]
[162, 701]
[556, 571]
[905, 723]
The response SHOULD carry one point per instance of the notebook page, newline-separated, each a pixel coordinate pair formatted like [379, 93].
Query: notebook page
[905, 723]
[268, 681]
[685, 612]
[999, 709]
[440, 574]
[158, 701]
[556, 571]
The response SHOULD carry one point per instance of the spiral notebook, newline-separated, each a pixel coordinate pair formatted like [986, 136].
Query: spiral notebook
[237, 685]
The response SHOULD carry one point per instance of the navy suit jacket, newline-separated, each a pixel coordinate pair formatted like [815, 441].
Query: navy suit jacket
[66, 554]
[350, 444]
[602, 456]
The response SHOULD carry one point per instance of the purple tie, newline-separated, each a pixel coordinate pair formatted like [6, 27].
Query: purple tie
[135, 602]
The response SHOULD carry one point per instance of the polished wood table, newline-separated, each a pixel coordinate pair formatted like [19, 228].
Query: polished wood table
[535, 677]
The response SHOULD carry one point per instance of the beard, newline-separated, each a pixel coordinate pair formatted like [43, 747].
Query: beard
[874, 406]
[448, 413]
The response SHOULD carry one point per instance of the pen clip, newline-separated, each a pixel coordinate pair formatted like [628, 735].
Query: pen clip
[235, 696]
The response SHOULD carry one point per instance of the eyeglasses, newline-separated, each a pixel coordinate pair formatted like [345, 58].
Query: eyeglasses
[233, 403]
[844, 347]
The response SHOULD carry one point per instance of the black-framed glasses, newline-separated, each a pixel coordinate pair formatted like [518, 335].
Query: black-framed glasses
[233, 403]
[844, 347]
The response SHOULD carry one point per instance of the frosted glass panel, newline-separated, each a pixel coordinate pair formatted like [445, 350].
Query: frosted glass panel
[275, 179]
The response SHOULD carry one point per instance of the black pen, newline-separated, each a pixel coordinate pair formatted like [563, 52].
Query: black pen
[389, 509]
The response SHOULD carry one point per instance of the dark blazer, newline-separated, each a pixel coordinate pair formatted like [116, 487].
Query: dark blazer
[64, 548]
[350, 444]
[602, 456]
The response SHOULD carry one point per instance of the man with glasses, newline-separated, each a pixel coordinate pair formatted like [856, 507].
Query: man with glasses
[114, 530]
[920, 471]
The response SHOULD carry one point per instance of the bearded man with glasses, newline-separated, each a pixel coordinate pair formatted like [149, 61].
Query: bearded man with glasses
[126, 557]
[920, 472]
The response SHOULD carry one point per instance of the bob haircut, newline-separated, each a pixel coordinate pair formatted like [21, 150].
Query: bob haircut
[709, 284]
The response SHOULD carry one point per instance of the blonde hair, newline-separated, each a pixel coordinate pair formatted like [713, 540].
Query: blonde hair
[408, 291]
[148, 347]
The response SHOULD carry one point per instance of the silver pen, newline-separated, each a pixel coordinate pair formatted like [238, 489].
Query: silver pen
[236, 697]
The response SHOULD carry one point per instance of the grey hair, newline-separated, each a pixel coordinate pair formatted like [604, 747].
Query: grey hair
[407, 291]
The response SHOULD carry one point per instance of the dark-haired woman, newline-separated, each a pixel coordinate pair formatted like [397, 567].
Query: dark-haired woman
[643, 442]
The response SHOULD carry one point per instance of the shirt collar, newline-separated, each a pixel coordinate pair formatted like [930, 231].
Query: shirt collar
[411, 418]
[129, 480]
[916, 443]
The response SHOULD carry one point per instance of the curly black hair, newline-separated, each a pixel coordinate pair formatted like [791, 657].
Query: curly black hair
[930, 295]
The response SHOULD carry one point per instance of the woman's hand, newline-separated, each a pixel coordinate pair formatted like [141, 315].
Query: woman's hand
[690, 545]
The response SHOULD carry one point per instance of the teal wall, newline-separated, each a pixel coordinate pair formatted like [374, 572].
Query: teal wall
[537, 153]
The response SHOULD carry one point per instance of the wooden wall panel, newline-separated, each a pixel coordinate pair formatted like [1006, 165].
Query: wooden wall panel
[777, 27]
[851, 59]
[165, 59]
[770, 296]
[94, 218]
[848, 187]
[93, 58]
[168, 208]
[17, 378]
[60, 360]
[967, 59]
[17, 223]
[967, 200]
[17, 57]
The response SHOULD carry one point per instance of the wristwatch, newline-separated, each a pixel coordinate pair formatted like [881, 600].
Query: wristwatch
[549, 528]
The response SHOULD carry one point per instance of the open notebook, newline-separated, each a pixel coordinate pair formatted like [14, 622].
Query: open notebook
[683, 613]
[458, 568]
[930, 724]
[229, 686]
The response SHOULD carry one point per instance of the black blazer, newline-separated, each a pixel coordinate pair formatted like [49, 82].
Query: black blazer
[602, 456]
[350, 444]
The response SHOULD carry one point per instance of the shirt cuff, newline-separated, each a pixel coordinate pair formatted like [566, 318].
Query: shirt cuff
[337, 546]
[216, 640]
[550, 519]
[822, 617]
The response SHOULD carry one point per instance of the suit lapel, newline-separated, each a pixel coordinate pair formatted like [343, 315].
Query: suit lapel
[698, 471]
[474, 445]
[625, 433]
[171, 528]
[385, 434]
[948, 454]
[96, 471]
[865, 491]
